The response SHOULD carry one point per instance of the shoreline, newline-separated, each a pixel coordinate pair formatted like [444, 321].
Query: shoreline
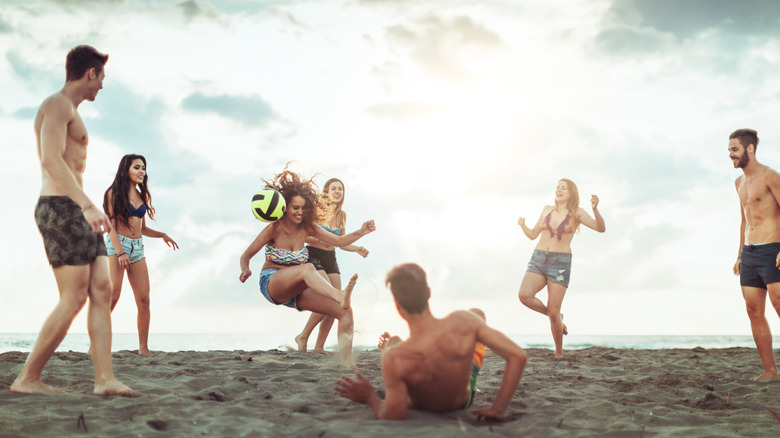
[594, 391]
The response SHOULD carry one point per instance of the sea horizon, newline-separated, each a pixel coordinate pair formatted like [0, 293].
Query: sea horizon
[173, 342]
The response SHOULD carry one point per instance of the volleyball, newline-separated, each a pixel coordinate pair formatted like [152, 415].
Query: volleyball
[268, 205]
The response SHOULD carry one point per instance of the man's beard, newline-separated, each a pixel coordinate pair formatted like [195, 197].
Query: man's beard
[743, 161]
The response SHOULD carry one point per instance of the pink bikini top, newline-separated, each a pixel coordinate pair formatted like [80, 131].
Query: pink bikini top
[563, 227]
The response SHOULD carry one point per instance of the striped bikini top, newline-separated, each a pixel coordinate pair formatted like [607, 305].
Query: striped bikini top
[286, 256]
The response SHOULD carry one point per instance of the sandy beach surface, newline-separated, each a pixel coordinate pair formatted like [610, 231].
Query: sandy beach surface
[592, 392]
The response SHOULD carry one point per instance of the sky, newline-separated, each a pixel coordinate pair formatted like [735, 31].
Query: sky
[446, 120]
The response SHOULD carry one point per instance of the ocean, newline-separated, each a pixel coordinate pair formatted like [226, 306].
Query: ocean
[251, 342]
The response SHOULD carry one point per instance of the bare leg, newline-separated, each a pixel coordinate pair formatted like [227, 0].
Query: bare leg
[327, 323]
[555, 293]
[314, 302]
[99, 328]
[531, 285]
[303, 338]
[73, 283]
[138, 275]
[755, 301]
[315, 318]
[287, 283]
[117, 275]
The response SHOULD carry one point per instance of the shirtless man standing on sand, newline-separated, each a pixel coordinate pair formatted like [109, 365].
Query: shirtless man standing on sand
[71, 227]
[758, 264]
[436, 368]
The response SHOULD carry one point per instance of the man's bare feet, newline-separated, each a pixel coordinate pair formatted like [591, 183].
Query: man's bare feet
[383, 338]
[767, 376]
[115, 387]
[346, 301]
[34, 387]
[387, 341]
[301, 343]
[144, 352]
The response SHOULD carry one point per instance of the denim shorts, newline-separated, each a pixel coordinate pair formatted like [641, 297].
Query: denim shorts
[554, 266]
[265, 277]
[758, 265]
[134, 248]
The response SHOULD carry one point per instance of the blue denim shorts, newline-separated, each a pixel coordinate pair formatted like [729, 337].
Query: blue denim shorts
[554, 266]
[134, 248]
[757, 265]
[265, 277]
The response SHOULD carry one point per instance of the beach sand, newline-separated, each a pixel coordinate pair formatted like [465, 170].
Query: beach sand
[592, 392]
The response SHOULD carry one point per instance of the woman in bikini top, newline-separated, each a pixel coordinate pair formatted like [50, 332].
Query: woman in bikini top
[286, 276]
[550, 264]
[129, 189]
[324, 257]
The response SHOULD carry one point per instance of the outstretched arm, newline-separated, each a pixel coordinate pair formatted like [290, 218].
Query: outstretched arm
[260, 241]
[146, 231]
[396, 401]
[346, 240]
[531, 233]
[515, 359]
[585, 219]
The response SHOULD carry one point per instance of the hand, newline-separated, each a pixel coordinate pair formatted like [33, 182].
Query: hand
[245, 273]
[124, 261]
[594, 201]
[489, 414]
[368, 227]
[359, 390]
[168, 241]
[521, 221]
[362, 251]
[97, 220]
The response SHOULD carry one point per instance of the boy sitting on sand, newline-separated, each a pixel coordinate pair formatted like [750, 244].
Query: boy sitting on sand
[432, 370]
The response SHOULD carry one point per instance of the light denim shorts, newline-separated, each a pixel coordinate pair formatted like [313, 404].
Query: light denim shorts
[265, 277]
[134, 248]
[554, 266]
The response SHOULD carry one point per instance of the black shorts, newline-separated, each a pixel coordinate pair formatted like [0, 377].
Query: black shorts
[323, 260]
[758, 265]
[67, 236]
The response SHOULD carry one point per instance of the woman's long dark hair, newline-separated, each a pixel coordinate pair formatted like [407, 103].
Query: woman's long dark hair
[290, 184]
[116, 195]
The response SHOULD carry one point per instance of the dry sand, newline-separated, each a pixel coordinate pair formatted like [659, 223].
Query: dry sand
[592, 392]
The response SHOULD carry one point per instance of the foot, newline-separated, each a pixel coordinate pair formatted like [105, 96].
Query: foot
[144, 352]
[301, 342]
[766, 376]
[383, 339]
[386, 341]
[320, 350]
[559, 355]
[34, 387]
[346, 300]
[115, 387]
[565, 329]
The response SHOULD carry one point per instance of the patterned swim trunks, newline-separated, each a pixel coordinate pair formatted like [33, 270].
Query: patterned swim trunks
[67, 236]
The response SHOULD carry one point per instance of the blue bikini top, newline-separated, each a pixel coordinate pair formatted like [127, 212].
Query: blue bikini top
[137, 212]
[337, 231]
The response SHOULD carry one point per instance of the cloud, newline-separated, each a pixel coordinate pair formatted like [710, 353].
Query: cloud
[690, 17]
[30, 75]
[250, 111]
[627, 40]
[405, 110]
[443, 46]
